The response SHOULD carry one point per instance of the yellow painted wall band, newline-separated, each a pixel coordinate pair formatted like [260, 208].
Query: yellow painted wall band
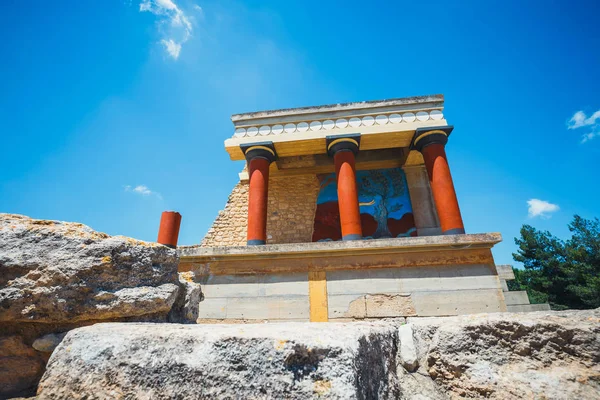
[317, 296]
[430, 133]
[342, 140]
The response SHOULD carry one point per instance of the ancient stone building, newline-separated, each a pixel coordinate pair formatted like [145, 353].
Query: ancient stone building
[344, 211]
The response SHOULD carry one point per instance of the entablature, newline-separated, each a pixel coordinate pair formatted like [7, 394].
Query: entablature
[382, 124]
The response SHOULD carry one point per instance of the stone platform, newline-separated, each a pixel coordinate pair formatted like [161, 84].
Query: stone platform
[416, 276]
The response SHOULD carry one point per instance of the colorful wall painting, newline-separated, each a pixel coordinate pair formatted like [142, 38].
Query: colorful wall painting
[385, 208]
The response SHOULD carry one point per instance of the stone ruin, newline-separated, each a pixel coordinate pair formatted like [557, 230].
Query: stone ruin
[339, 268]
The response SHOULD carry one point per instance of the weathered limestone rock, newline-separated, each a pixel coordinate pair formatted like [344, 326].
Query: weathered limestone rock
[408, 351]
[55, 276]
[553, 355]
[283, 360]
[54, 272]
[185, 309]
[47, 343]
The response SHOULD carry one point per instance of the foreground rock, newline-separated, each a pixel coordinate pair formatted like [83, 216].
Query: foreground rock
[554, 355]
[55, 276]
[500, 356]
[159, 361]
[54, 272]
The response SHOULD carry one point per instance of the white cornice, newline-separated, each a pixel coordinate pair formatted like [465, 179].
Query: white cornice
[435, 101]
[338, 117]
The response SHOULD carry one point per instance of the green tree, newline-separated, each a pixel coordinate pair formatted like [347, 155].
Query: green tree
[566, 274]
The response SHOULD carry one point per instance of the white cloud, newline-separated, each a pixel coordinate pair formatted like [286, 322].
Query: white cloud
[589, 136]
[143, 190]
[581, 120]
[173, 24]
[172, 47]
[541, 208]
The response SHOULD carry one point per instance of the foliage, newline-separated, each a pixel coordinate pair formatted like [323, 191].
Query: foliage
[564, 273]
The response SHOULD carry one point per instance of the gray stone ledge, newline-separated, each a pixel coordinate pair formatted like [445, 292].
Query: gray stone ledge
[430, 243]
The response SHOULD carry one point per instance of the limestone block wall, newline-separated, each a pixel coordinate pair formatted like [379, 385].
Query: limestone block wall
[270, 297]
[229, 228]
[353, 294]
[414, 291]
[291, 212]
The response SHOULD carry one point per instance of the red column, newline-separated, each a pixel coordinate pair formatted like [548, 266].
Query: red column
[258, 169]
[442, 188]
[347, 195]
[168, 231]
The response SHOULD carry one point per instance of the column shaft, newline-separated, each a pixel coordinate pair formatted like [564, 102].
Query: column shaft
[442, 188]
[168, 231]
[347, 195]
[258, 169]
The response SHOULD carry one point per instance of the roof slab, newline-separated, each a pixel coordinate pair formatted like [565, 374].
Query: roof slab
[303, 131]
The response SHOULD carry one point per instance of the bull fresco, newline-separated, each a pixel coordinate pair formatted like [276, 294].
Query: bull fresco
[385, 208]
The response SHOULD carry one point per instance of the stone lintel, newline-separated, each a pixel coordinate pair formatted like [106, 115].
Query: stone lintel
[321, 163]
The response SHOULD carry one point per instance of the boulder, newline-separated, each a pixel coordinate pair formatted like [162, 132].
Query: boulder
[56, 276]
[554, 355]
[280, 360]
[498, 356]
[57, 272]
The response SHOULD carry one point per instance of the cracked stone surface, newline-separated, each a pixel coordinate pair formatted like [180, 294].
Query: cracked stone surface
[284, 360]
[54, 272]
[56, 276]
[553, 355]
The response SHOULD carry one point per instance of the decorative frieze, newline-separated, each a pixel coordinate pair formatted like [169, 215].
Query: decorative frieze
[339, 123]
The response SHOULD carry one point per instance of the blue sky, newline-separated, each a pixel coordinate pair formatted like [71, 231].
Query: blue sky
[113, 111]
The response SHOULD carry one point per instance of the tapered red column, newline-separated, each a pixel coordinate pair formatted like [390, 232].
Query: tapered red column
[430, 142]
[259, 157]
[343, 150]
[168, 231]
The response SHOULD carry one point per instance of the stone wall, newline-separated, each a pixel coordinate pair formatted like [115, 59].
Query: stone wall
[353, 294]
[291, 212]
[229, 228]
[422, 291]
[272, 297]
[292, 206]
